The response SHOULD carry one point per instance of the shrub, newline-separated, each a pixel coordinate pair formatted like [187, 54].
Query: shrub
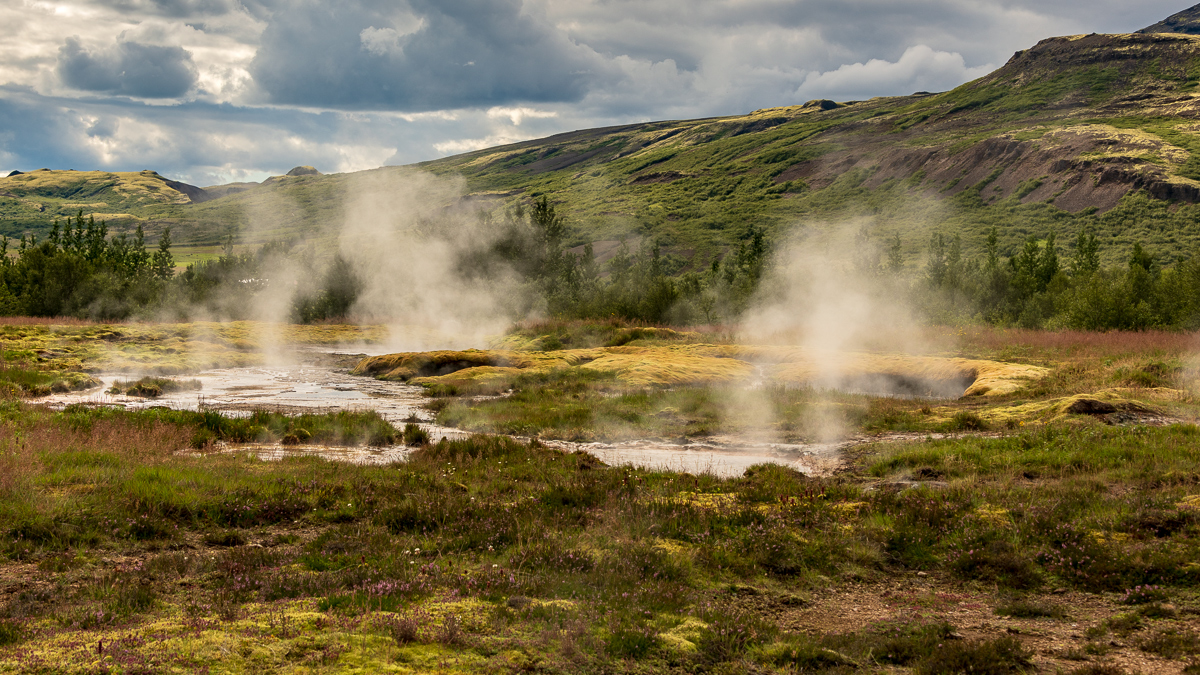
[997, 561]
[993, 657]
[966, 420]
[1143, 595]
[415, 435]
[225, 538]
[11, 632]
[1172, 644]
[631, 641]
[405, 628]
[730, 633]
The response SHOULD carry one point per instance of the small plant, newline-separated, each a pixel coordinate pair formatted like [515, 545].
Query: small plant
[993, 657]
[405, 628]
[802, 655]
[415, 435]
[1172, 644]
[1143, 595]
[966, 420]
[730, 634]
[450, 632]
[1031, 609]
[632, 641]
[225, 538]
[132, 598]
[11, 632]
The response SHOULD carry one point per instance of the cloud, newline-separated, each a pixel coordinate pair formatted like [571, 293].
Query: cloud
[518, 115]
[418, 56]
[128, 68]
[241, 84]
[921, 68]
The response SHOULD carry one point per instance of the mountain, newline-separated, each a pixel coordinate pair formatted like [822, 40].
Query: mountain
[1187, 21]
[1097, 131]
[1085, 131]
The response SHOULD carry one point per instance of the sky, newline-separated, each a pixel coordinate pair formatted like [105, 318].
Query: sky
[217, 91]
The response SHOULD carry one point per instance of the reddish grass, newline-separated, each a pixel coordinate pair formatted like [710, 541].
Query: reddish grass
[22, 446]
[48, 321]
[1080, 344]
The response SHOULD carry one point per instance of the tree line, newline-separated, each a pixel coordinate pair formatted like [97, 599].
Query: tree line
[1041, 286]
[79, 270]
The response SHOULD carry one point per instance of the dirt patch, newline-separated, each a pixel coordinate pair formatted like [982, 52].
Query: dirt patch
[1058, 645]
[663, 177]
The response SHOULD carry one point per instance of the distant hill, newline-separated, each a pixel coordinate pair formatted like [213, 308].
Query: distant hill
[1095, 131]
[30, 201]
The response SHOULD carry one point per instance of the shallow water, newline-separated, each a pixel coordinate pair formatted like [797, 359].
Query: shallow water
[721, 456]
[319, 388]
[287, 389]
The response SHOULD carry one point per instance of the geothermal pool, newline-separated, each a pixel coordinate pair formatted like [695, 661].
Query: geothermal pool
[317, 388]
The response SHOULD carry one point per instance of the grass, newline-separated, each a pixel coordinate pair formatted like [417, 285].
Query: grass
[164, 349]
[18, 378]
[488, 553]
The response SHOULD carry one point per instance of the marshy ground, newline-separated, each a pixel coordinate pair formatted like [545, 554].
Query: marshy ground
[1027, 532]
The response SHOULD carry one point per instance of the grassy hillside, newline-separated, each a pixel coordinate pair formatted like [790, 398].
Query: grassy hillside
[32, 201]
[1083, 131]
[1087, 130]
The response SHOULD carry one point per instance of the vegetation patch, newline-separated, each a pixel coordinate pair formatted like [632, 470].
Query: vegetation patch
[153, 387]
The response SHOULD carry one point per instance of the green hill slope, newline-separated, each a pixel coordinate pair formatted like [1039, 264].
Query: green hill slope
[1096, 131]
[32, 201]
[1092, 130]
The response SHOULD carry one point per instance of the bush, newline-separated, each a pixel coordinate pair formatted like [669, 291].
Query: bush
[415, 435]
[730, 634]
[631, 641]
[801, 655]
[966, 420]
[225, 538]
[1000, 562]
[995, 657]
[11, 632]
[1143, 595]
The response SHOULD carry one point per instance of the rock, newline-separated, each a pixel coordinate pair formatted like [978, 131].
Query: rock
[14, 172]
[304, 171]
[1090, 406]
[821, 104]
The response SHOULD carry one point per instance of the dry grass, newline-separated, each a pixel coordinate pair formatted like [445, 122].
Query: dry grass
[1077, 344]
[45, 321]
[24, 448]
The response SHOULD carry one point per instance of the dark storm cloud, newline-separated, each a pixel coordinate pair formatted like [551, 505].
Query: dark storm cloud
[427, 55]
[128, 68]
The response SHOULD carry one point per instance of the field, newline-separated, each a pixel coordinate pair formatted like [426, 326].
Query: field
[1032, 534]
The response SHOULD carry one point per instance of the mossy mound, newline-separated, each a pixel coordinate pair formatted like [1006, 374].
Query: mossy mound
[701, 364]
